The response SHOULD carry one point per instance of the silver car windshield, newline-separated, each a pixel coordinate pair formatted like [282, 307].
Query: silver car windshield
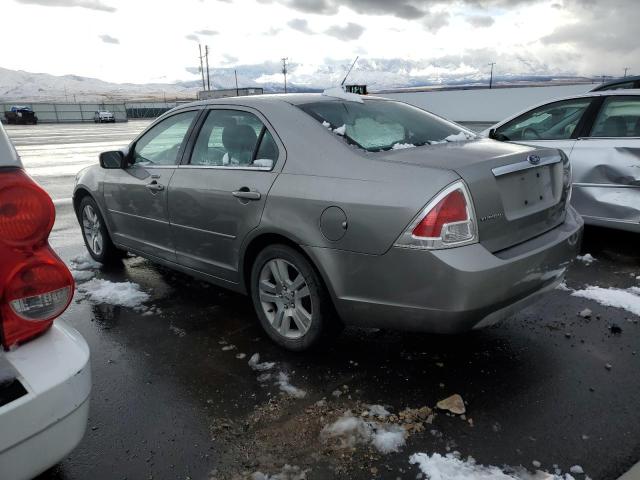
[380, 125]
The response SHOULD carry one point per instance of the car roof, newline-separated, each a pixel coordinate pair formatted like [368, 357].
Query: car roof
[8, 155]
[632, 78]
[291, 98]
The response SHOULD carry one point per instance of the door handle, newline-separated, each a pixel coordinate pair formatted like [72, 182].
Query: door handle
[154, 186]
[246, 194]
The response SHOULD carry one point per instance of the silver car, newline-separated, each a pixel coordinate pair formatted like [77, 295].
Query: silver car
[337, 210]
[600, 132]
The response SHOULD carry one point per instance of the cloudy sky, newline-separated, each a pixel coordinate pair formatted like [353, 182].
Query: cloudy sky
[157, 41]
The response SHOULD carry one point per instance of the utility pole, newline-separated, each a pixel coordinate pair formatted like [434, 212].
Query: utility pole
[284, 72]
[491, 77]
[235, 72]
[626, 69]
[201, 66]
[206, 53]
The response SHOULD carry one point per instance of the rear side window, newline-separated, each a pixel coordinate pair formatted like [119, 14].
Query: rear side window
[555, 121]
[234, 138]
[618, 86]
[618, 117]
[378, 125]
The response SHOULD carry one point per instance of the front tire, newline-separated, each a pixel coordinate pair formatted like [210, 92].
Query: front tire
[95, 234]
[290, 299]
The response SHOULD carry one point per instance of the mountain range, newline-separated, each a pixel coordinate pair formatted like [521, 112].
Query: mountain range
[378, 74]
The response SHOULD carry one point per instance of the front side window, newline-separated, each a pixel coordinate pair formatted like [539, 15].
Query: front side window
[556, 121]
[234, 138]
[163, 143]
[378, 125]
[618, 117]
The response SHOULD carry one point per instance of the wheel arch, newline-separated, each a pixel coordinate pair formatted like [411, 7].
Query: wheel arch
[263, 239]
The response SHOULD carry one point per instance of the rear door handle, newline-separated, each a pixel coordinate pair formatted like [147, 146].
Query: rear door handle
[247, 194]
[154, 187]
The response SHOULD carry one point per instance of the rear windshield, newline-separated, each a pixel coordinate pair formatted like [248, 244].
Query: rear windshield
[379, 125]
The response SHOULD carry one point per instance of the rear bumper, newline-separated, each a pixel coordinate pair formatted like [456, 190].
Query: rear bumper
[447, 291]
[42, 427]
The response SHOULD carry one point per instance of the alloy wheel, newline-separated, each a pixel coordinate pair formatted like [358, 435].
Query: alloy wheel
[91, 228]
[285, 298]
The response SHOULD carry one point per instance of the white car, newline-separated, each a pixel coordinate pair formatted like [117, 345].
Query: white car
[600, 132]
[45, 377]
[104, 116]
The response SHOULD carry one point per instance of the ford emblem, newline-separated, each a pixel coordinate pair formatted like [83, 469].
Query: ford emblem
[533, 159]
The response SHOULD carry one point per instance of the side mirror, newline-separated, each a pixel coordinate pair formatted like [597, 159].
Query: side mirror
[492, 134]
[113, 160]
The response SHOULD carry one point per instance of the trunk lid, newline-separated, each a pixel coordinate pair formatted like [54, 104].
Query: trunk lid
[519, 192]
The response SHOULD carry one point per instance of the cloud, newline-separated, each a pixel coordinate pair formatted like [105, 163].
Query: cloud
[480, 21]
[109, 39]
[603, 27]
[193, 70]
[300, 25]
[206, 32]
[351, 31]
[90, 4]
[436, 20]
[192, 37]
[226, 58]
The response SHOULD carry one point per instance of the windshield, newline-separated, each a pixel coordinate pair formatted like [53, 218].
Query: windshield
[378, 125]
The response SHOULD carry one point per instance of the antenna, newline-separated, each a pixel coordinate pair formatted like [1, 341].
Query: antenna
[352, 65]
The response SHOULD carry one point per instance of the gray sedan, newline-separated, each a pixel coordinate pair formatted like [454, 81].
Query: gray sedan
[332, 210]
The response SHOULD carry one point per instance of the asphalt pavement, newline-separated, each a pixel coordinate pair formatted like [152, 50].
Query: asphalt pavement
[174, 397]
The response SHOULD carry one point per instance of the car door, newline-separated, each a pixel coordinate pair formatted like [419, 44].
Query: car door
[136, 196]
[218, 196]
[606, 164]
[554, 125]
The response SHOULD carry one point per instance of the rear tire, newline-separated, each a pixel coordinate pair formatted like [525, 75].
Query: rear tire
[95, 234]
[290, 299]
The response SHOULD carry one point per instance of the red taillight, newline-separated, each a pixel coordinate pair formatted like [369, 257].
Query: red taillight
[447, 221]
[26, 211]
[35, 285]
[452, 208]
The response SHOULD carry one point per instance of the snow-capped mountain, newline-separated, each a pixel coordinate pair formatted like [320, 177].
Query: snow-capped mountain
[378, 74]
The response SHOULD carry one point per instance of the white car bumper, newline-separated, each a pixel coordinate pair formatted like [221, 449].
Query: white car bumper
[43, 426]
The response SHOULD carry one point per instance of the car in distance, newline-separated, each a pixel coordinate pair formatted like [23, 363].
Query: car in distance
[45, 376]
[600, 132]
[104, 116]
[626, 83]
[344, 207]
[20, 115]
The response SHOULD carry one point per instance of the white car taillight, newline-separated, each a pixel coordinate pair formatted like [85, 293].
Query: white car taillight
[35, 285]
[447, 221]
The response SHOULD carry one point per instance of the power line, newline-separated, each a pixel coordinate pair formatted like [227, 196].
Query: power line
[491, 77]
[284, 72]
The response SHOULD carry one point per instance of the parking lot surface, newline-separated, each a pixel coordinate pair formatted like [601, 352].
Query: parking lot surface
[175, 397]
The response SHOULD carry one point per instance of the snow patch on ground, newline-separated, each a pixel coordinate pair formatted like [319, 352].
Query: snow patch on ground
[254, 363]
[288, 472]
[350, 430]
[378, 411]
[124, 294]
[286, 387]
[563, 286]
[452, 467]
[627, 299]
[177, 330]
[587, 258]
[82, 275]
[84, 262]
